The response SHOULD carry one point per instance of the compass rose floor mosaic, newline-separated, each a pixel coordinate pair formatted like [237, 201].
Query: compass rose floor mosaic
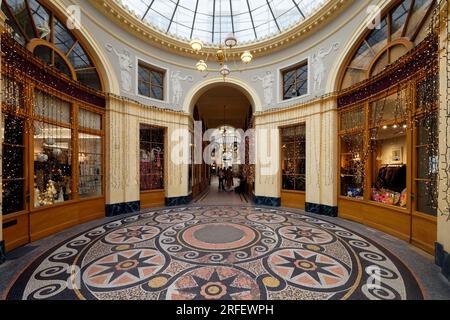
[232, 253]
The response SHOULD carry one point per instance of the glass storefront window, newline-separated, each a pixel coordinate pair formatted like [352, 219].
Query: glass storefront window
[90, 165]
[51, 108]
[352, 166]
[12, 94]
[294, 158]
[52, 164]
[151, 158]
[89, 120]
[389, 165]
[391, 109]
[427, 159]
[352, 119]
[13, 176]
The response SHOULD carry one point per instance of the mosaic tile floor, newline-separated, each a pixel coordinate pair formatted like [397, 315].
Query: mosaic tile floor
[214, 253]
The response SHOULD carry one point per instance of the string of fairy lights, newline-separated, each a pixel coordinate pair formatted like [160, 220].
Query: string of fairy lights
[35, 113]
[444, 6]
[427, 98]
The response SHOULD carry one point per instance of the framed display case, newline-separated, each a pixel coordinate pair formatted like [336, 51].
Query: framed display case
[293, 165]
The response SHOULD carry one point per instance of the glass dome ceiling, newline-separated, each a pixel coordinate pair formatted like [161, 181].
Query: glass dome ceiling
[212, 20]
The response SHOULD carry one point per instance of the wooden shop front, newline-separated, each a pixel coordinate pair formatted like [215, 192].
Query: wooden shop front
[293, 166]
[389, 151]
[388, 126]
[53, 122]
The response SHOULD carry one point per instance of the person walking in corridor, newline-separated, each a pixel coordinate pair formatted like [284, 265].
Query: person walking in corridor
[221, 180]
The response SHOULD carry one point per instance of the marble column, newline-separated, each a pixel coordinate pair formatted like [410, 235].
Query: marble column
[122, 188]
[321, 155]
[123, 120]
[267, 157]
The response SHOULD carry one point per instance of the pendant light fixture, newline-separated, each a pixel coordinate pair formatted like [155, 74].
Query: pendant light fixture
[221, 54]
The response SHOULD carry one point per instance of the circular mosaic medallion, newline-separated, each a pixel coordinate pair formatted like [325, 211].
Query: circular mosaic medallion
[218, 283]
[172, 218]
[221, 213]
[123, 269]
[270, 218]
[132, 234]
[218, 242]
[218, 236]
[308, 269]
[216, 253]
[306, 234]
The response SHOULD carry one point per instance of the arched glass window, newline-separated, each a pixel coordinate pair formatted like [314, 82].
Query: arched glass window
[401, 28]
[43, 33]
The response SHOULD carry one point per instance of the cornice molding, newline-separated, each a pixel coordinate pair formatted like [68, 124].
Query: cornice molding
[323, 100]
[295, 34]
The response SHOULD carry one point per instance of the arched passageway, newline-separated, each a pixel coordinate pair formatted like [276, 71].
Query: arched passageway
[226, 175]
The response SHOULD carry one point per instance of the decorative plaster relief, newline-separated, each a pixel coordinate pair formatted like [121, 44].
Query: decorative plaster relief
[177, 89]
[126, 67]
[267, 82]
[318, 66]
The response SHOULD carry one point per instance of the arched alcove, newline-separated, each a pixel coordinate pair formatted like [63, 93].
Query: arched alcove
[197, 91]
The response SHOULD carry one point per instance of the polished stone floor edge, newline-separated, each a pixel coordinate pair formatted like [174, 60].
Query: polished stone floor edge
[116, 209]
[267, 201]
[178, 201]
[321, 209]
[443, 260]
[2, 252]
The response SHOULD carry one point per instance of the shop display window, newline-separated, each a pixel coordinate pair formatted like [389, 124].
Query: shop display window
[388, 136]
[353, 119]
[51, 108]
[384, 162]
[352, 166]
[151, 158]
[52, 164]
[389, 165]
[294, 158]
[89, 120]
[12, 94]
[391, 109]
[427, 159]
[13, 176]
[90, 165]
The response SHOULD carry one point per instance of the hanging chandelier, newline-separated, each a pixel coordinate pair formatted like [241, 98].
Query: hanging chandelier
[220, 55]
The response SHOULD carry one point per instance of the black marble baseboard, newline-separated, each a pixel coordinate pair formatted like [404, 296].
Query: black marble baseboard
[442, 259]
[267, 201]
[117, 209]
[178, 201]
[2, 252]
[321, 209]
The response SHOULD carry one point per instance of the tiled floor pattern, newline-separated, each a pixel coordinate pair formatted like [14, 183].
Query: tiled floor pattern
[215, 197]
[221, 252]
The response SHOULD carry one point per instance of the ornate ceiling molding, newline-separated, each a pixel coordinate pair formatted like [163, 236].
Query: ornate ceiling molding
[145, 31]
